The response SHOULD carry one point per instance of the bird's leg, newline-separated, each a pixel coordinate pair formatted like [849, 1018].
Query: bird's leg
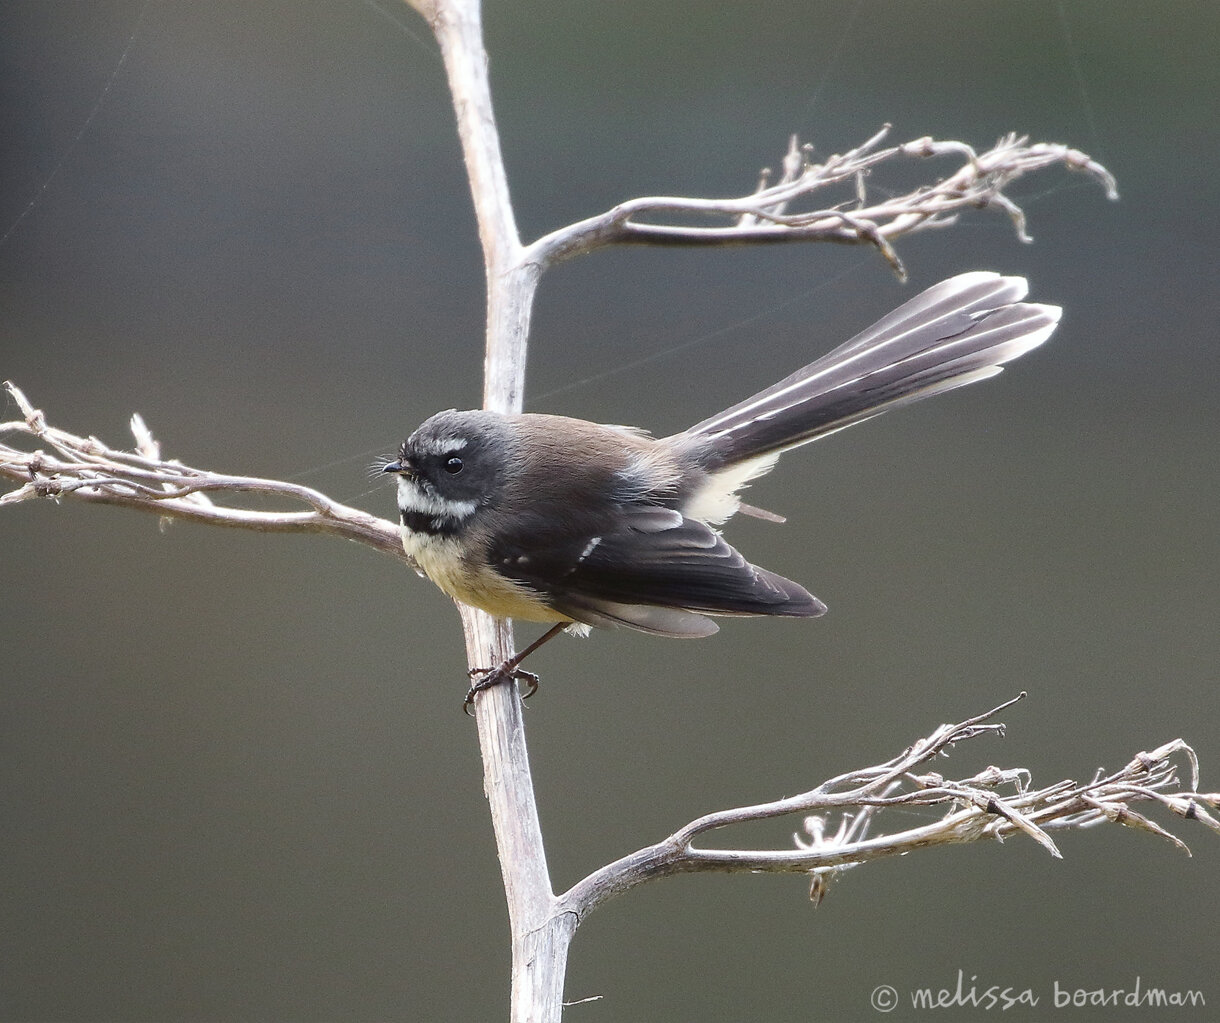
[510, 670]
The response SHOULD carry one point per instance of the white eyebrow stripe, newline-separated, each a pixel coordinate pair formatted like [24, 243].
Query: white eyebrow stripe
[440, 445]
[590, 547]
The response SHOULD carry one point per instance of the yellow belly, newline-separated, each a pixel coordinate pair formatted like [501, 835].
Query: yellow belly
[440, 560]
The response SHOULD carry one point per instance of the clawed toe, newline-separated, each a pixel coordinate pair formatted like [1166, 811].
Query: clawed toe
[485, 678]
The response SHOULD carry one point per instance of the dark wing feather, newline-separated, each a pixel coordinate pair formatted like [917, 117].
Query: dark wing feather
[650, 571]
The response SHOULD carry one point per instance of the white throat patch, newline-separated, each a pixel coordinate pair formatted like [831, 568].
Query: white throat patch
[414, 498]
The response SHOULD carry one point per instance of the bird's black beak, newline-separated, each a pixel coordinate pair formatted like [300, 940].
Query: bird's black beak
[400, 466]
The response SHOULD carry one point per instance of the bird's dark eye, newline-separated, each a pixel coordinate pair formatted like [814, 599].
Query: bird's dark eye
[453, 465]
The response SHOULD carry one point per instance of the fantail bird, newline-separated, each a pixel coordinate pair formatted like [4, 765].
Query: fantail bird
[551, 519]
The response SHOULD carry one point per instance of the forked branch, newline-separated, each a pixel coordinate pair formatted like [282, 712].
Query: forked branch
[867, 215]
[86, 469]
[993, 804]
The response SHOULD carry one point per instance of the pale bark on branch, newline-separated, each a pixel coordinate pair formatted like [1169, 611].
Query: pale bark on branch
[68, 466]
[771, 213]
[992, 804]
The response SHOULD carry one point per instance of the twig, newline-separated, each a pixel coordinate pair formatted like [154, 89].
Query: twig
[86, 469]
[992, 804]
[762, 217]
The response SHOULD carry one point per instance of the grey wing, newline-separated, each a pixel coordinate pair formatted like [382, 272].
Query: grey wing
[656, 571]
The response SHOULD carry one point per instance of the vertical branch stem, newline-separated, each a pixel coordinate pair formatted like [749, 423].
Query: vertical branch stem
[511, 282]
[540, 937]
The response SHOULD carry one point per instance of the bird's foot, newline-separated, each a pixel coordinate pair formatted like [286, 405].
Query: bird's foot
[485, 678]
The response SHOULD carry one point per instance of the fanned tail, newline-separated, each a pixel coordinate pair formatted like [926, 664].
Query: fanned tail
[959, 331]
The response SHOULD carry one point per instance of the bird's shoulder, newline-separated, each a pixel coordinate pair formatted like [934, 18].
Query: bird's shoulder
[564, 460]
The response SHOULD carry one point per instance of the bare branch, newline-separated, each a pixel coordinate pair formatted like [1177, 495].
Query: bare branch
[86, 469]
[993, 804]
[426, 8]
[539, 941]
[763, 217]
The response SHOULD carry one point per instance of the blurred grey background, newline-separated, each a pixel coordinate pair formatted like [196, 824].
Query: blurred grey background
[236, 781]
